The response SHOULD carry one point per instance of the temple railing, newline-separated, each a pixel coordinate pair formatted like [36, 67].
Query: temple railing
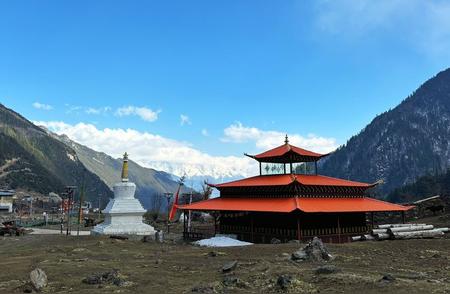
[264, 235]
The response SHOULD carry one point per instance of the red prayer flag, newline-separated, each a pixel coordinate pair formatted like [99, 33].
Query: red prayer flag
[173, 211]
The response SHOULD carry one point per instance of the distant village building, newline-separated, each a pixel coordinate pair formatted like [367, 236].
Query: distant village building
[290, 200]
[6, 200]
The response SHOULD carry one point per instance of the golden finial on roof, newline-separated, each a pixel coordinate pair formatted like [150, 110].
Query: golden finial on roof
[286, 140]
[125, 168]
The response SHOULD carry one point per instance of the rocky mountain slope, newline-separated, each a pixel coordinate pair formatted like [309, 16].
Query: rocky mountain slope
[30, 159]
[150, 183]
[401, 144]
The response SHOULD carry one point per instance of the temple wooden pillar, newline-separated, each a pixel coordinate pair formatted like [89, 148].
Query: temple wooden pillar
[372, 223]
[299, 232]
[215, 225]
[184, 225]
[403, 217]
[339, 229]
[251, 227]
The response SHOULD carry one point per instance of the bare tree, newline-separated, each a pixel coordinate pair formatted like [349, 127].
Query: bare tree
[206, 190]
[156, 204]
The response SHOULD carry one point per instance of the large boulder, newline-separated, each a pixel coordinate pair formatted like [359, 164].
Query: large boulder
[38, 279]
[315, 250]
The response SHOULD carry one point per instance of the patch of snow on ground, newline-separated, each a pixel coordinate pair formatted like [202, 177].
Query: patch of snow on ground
[221, 242]
[71, 157]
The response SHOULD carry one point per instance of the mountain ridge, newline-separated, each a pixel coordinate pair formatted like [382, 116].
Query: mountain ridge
[401, 144]
[32, 160]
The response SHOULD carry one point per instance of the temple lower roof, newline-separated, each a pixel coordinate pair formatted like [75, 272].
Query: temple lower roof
[287, 179]
[286, 205]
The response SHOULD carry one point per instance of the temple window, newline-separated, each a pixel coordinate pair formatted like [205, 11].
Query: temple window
[304, 168]
[272, 168]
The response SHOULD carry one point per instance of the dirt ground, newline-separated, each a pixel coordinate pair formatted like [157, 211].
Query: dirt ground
[418, 266]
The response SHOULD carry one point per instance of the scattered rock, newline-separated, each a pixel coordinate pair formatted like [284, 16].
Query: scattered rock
[212, 254]
[387, 278]
[100, 243]
[327, 269]
[111, 277]
[79, 250]
[203, 289]
[158, 261]
[27, 288]
[275, 241]
[294, 241]
[284, 281]
[228, 267]
[38, 279]
[315, 250]
[232, 281]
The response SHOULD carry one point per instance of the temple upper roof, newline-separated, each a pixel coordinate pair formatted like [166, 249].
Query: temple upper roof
[287, 153]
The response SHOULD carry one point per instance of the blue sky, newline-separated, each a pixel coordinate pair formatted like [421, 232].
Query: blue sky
[216, 78]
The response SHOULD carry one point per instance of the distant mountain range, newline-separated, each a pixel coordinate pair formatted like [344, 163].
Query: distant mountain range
[149, 182]
[32, 160]
[402, 144]
[398, 146]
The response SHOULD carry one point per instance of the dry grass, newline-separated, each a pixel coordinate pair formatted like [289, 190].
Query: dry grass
[420, 266]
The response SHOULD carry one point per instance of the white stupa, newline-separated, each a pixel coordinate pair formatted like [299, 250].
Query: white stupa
[123, 214]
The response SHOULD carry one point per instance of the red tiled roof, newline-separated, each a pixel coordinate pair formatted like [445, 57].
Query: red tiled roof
[286, 205]
[285, 148]
[280, 154]
[286, 179]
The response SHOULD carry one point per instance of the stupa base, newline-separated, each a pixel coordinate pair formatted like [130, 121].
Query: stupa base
[139, 229]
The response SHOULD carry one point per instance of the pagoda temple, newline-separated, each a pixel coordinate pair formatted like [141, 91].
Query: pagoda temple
[290, 200]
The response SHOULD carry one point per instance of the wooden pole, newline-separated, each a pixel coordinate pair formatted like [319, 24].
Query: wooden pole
[260, 168]
[403, 217]
[299, 234]
[80, 210]
[418, 234]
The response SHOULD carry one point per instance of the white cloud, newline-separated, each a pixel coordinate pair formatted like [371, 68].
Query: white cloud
[154, 151]
[143, 112]
[100, 110]
[424, 25]
[205, 132]
[238, 133]
[41, 106]
[184, 120]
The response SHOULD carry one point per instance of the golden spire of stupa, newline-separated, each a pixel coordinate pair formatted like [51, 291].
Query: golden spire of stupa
[125, 168]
